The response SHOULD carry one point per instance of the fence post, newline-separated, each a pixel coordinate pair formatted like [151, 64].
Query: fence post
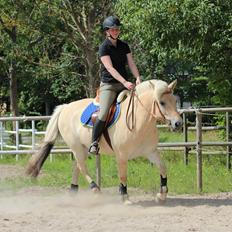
[1, 137]
[98, 170]
[33, 135]
[199, 149]
[185, 133]
[228, 138]
[51, 157]
[17, 138]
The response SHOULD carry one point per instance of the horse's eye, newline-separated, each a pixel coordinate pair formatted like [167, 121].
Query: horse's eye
[162, 103]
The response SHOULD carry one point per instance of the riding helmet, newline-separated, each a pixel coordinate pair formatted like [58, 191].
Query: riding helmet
[111, 22]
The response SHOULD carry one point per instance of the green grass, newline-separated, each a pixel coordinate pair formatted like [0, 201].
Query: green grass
[141, 174]
[166, 136]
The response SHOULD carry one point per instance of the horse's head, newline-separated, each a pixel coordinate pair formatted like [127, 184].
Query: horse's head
[165, 104]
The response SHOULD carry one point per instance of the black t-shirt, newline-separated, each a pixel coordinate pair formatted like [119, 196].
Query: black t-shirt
[118, 57]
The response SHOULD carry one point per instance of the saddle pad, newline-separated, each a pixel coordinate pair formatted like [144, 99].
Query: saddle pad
[91, 108]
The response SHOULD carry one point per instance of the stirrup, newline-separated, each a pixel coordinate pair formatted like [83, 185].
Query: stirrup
[94, 148]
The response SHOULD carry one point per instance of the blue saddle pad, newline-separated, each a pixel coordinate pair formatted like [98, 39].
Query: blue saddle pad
[91, 108]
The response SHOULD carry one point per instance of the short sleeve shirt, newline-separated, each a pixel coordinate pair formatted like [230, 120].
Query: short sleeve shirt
[118, 56]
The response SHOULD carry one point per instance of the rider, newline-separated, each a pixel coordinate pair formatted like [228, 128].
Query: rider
[114, 54]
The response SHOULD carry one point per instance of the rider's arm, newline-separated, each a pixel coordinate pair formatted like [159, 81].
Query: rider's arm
[133, 68]
[108, 65]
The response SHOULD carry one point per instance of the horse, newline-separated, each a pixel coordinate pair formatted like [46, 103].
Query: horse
[153, 101]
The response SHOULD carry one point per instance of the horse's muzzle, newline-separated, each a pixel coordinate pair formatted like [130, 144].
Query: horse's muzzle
[176, 124]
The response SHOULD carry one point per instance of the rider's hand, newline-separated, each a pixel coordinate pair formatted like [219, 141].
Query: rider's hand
[128, 85]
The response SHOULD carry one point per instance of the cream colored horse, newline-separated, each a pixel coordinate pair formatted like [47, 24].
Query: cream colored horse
[154, 100]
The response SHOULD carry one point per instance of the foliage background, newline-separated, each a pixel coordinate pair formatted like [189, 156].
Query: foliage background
[48, 49]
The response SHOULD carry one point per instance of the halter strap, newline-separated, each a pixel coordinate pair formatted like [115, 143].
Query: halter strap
[131, 104]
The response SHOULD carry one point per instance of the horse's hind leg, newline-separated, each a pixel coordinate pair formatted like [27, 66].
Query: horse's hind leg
[75, 176]
[155, 158]
[82, 167]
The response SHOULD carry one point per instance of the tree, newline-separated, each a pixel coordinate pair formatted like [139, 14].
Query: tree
[52, 44]
[188, 35]
[82, 20]
[8, 29]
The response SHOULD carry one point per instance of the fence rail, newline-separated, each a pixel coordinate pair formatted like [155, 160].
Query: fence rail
[185, 145]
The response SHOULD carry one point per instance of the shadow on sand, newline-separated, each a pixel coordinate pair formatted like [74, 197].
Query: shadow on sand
[187, 202]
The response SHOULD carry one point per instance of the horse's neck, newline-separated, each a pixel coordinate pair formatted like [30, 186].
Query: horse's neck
[144, 103]
[145, 99]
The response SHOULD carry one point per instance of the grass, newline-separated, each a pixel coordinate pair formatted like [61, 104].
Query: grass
[141, 174]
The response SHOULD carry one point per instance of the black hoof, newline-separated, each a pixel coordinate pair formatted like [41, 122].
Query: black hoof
[94, 186]
[122, 189]
[74, 188]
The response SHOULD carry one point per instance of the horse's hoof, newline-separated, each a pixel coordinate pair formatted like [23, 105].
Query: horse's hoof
[127, 202]
[161, 198]
[94, 187]
[162, 195]
[96, 190]
[74, 188]
[125, 199]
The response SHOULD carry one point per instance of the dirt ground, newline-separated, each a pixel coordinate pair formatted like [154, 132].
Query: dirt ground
[44, 209]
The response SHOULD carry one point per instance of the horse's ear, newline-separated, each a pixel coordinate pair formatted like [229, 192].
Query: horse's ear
[152, 84]
[172, 85]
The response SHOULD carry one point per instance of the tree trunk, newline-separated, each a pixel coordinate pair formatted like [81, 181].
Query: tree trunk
[13, 79]
[13, 91]
[47, 108]
[92, 72]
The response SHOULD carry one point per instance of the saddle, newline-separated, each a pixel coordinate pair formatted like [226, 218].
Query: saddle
[90, 113]
[110, 115]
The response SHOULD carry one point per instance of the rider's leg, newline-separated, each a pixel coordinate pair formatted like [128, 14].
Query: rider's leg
[107, 97]
[96, 134]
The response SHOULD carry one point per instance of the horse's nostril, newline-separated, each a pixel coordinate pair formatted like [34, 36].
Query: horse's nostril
[178, 124]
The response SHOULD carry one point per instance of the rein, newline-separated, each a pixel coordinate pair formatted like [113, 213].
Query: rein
[131, 104]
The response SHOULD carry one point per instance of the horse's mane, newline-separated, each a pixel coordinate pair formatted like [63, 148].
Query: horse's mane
[158, 87]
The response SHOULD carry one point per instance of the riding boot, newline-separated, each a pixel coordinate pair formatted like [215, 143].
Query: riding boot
[98, 129]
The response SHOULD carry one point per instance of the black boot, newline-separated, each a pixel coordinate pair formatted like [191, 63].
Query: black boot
[98, 129]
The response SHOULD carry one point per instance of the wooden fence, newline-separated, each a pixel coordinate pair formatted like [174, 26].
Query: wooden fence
[19, 148]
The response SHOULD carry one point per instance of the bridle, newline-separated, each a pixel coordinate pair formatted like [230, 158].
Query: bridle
[131, 105]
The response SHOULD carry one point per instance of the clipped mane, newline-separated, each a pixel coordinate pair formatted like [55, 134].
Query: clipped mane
[158, 87]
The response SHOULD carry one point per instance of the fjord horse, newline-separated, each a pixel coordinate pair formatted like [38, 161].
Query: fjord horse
[153, 100]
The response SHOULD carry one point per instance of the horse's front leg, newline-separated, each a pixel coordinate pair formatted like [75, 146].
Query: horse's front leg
[122, 172]
[156, 159]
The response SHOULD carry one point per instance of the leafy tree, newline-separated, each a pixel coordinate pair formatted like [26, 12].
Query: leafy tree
[54, 55]
[9, 39]
[82, 21]
[183, 37]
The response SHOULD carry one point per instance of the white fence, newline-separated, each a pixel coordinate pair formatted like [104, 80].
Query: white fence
[19, 148]
[32, 134]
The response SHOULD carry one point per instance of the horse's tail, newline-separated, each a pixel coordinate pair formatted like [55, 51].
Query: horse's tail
[37, 160]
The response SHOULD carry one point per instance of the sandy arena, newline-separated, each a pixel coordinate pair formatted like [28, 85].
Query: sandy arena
[44, 209]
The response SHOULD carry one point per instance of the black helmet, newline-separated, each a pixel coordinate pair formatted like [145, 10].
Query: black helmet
[110, 22]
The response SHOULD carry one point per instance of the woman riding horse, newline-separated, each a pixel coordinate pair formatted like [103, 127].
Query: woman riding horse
[114, 55]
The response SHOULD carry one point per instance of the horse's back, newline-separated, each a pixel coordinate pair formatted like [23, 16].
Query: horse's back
[75, 108]
[69, 122]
